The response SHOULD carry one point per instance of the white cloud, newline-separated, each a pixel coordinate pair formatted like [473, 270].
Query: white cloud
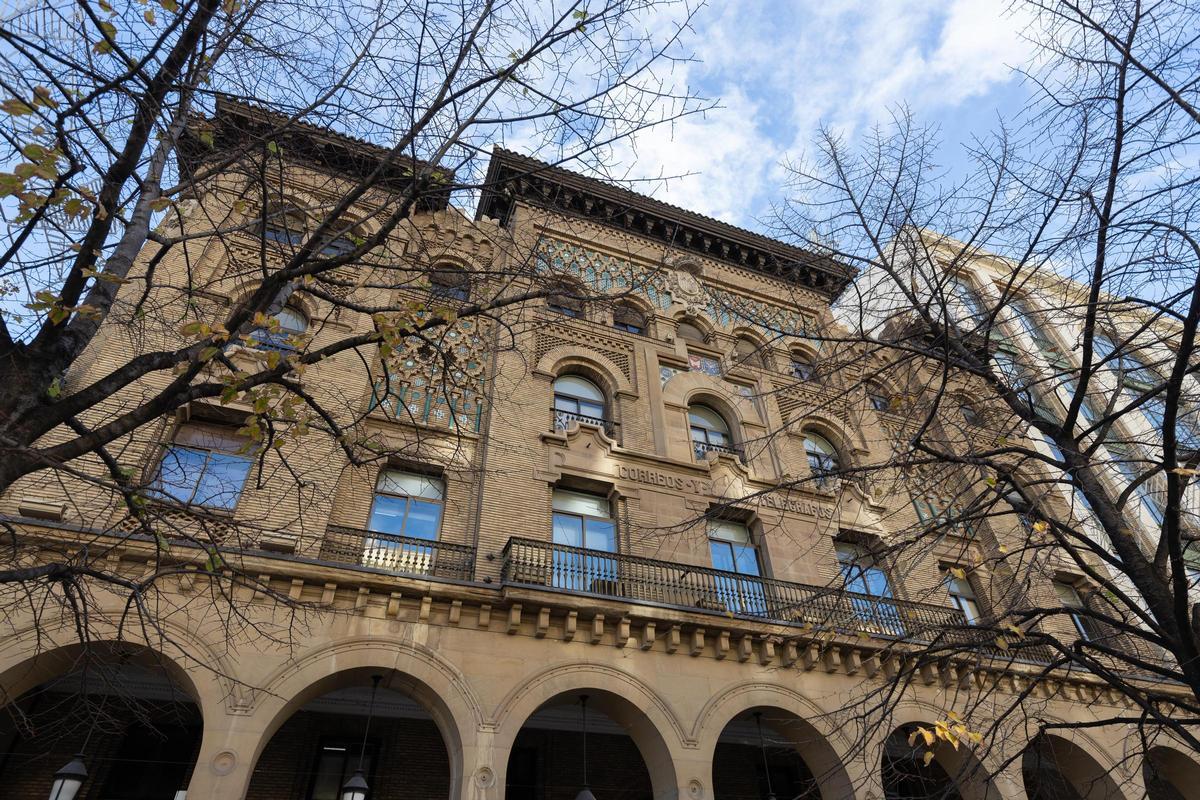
[782, 69]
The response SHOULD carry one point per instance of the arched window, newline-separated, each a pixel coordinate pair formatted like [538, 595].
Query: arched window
[280, 334]
[449, 283]
[747, 352]
[566, 301]
[689, 332]
[880, 399]
[969, 414]
[284, 226]
[577, 399]
[822, 459]
[801, 368]
[629, 319]
[709, 432]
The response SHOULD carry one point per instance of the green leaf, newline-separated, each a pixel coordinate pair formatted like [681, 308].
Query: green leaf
[54, 389]
[273, 148]
[16, 107]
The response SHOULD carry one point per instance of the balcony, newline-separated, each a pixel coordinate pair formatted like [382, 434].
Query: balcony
[561, 420]
[529, 562]
[402, 555]
[702, 449]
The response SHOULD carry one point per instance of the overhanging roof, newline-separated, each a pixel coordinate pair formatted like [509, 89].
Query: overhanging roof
[513, 178]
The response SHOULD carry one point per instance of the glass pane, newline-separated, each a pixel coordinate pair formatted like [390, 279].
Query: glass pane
[423, 519]
[1067, 595]
[589, 409]
[393, 481]
[568, 530]
[746, 559]
[222, 481]
[705, 417]
[387, 514]
[600, 535]
[575, 386]
[722, 555]
[564, 403]
[877, 582]
[729, 531]
[579, 503]
[179, 473]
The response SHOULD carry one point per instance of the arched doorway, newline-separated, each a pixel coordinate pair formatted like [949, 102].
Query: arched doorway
[1169, 774]
[1056, 769]
[760, 753]
[951, 774]
[320, 746]
[546, 761]
[127, 712]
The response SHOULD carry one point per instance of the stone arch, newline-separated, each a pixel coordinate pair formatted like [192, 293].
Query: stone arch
[851, 447]
[595, 366]
[1167, 769]
[649, 719]
[686, 388]
[1080, 762]
[703, 323]
[27, 657]
[408, 667]
[825, 749]
[974, 773]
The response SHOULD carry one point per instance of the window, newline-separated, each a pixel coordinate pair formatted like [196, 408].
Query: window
[689, 332]
[962, 595]
[880, 401]
[966, 299]
[576, 399]
[288, 324]
[629, 319]
[861, 574]
[566, 301]
[1134, 372]
[285, 227]
[802, 369]
[822, 459]
[746, 352]
[336, 762]
[583, 522]
[709, 432]
[449, 283]
[733, 551]
[1130, 467]
[338, 246]
[205, 466]
[1089, 629]
[407, 504]
[969, 414]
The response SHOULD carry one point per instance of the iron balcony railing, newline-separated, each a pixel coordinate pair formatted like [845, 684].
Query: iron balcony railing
[561, 420]
[530, 562]
[403, 555]
[702, 449]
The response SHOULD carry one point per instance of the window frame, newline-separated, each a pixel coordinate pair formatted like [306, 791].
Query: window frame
[266, 339]
[168, 448]
[967, 602]
[436, 481]
[701, 449]
[1082, 621]
[823, 476]
[578, 414]
[611, 519]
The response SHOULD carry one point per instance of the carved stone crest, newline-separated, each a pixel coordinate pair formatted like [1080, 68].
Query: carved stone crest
[686, 287]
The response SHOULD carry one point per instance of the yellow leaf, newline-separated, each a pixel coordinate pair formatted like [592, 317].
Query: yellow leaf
[149, 16]
[928, 757]
[959, 573]
[1001, 642]
[1041, 526]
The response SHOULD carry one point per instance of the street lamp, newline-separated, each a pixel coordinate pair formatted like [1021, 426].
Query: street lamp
[356, 787]
[68, 779]
[585, 793]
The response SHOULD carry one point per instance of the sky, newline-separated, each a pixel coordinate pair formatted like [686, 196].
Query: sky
[780, 69]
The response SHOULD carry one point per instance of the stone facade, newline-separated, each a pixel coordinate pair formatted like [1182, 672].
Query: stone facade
[496, 626]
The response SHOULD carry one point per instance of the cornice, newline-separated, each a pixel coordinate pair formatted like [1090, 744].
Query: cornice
[513, 179]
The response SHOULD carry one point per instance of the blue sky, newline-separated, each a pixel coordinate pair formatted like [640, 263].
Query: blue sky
[780, 69]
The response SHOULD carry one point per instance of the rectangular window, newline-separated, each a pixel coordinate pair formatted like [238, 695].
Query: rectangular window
[407, 507]
[733, 551]
[862, 576]
[1089, 629]
[962, 595]
[206, 465]
[335, 763]
[1130, 468]
[584, 523]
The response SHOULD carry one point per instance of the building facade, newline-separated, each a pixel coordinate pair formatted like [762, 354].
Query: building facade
[577, 525]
